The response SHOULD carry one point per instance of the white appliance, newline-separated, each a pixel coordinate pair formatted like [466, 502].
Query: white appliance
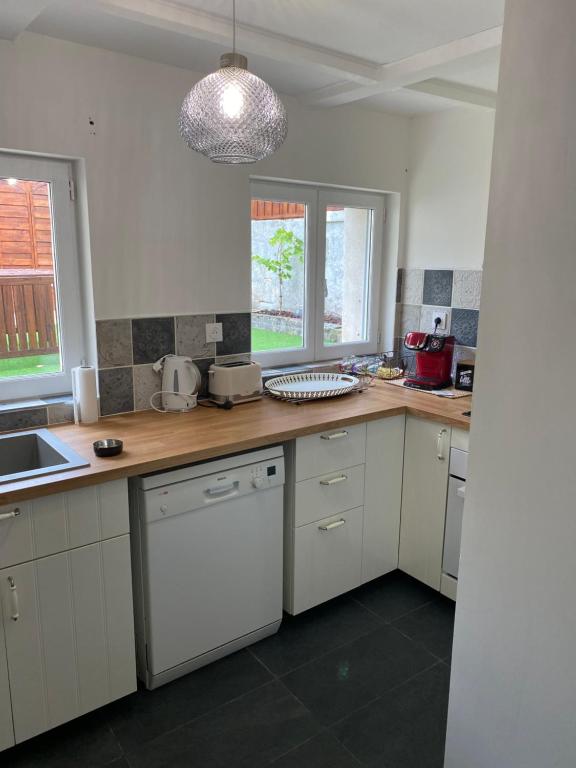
[454, 509]
[181, 380]
[237, 382]
[207, 552]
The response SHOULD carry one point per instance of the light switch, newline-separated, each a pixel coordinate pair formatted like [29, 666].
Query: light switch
[213, 332]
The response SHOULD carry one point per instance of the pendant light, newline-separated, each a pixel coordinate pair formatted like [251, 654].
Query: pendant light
[232, 116]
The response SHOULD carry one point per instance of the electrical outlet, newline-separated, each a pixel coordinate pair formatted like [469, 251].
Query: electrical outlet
[443, 320]
[213, 332]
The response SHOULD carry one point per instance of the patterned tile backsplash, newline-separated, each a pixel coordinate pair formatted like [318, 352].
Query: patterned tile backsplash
[424, 293]
[128, 348]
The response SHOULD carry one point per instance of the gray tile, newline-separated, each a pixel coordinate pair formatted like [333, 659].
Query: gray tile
[152, 338]
[394, 595]
[249, 732]
[349, 677]
[146, 383]
[146, 715]
[465, 326]
[429, 314]
[114, 340]
[314, 633]
[116, 390]
[191, 336]
[409, 318]
[438, 287]
[86, 742]
[467, 288]
[30, 419]
[236, 333]
[322, 751]
[431, 626]
[203, 366]
[60, 413]
[412, 286]
[405, 728]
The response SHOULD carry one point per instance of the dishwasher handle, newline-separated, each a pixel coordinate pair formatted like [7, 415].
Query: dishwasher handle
[220, 492]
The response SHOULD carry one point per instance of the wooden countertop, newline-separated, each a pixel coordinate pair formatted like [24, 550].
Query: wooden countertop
[154, 441]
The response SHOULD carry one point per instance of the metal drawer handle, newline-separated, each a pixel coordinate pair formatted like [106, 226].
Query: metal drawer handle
[334, 435]
[440, 444]
[334, 480]
[10, 515]
[14, 605]
[332, 526]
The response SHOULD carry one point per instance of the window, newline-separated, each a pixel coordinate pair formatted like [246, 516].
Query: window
[316, 257]
[41, 332]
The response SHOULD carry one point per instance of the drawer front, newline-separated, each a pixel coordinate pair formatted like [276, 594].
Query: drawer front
[62, 521]
[329, 451]
[329, 494]
[327, 559]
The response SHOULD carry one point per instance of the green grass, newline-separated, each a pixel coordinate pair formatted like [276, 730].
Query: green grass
[29, 366]
[263, 341]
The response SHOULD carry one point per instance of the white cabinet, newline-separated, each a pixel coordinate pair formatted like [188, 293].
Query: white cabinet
[327, 558]
[382, 496]
[426, 462]
[343, 493]
[67, 618]
[6, 727]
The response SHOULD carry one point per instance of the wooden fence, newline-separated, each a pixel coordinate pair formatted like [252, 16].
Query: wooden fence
[27, 315]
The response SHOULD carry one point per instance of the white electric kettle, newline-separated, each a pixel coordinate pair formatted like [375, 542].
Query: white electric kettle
[181, 380]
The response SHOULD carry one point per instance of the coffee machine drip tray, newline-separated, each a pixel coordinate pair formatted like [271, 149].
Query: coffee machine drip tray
[427, 384]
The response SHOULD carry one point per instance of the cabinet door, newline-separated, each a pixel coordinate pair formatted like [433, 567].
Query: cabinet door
[327, 559]
[65, 653]
[424, 489]
[382, 496]
[6, 727]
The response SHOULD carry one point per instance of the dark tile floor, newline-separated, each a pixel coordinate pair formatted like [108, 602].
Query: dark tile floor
[360, 681]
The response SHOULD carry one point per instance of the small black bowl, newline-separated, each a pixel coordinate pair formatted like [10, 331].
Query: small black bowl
[109, 447]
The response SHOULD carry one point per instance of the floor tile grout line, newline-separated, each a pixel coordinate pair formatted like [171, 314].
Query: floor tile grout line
[297, 746]
[419, 644]
[263, 664]
[328, 652]
[381, 695]
[205, 714]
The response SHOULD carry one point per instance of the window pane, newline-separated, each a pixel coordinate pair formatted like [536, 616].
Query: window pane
[278, 274]
[29, 331]
[347, 271]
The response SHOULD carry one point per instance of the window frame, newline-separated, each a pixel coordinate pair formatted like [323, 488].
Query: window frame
[59, 174]
[317, 198]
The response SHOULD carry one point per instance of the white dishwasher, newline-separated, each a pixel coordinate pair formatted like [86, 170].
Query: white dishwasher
[207, 560]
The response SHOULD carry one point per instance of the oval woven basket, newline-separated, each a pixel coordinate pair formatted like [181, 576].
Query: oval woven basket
[311, 386]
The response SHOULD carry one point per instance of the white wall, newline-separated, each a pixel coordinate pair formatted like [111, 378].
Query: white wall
[449, 175]
[170, 231]
[513, 694]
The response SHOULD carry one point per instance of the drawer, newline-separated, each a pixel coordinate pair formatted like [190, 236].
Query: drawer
[327, 559]
[329, 451]
[329, 494]
[62, 521]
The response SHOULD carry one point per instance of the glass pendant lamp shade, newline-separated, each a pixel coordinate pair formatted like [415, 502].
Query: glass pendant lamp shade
[232, 116]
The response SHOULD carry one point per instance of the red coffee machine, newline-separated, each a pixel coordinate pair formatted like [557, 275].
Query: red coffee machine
[433, 369]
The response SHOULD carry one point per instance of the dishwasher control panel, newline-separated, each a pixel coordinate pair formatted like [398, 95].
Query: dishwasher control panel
[265, 475]
[210, 489]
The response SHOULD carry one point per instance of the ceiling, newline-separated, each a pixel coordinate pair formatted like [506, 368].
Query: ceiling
[401, 56]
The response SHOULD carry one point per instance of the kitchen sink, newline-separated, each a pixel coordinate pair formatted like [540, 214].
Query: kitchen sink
[29, 454]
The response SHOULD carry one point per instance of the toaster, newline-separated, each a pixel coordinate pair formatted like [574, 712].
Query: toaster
[235, 382]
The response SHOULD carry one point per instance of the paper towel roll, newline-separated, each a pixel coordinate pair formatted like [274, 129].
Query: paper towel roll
[84, 394]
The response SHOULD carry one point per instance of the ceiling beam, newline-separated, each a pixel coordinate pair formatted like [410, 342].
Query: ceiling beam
[16, 15]
[447, 89]
[406, 72]
[174, 17]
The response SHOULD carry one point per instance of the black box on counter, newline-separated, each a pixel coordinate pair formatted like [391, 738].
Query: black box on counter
[465, 375]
